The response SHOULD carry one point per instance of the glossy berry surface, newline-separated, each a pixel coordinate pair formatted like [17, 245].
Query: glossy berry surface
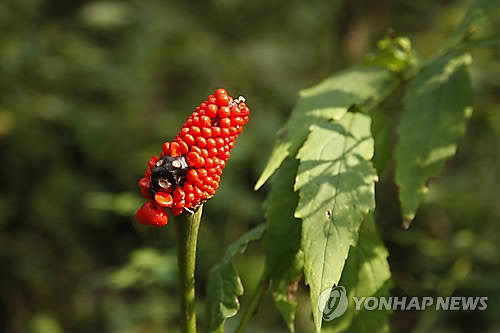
[188, 170]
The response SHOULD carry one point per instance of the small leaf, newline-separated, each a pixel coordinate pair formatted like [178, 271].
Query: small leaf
[393, 53]
[328, 100]
[480, 11]
[336, 187]
[436, 107]
[224, 284]
[366, 274]
[282, 240]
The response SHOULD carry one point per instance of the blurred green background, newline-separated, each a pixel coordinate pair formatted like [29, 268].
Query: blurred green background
[89, 91]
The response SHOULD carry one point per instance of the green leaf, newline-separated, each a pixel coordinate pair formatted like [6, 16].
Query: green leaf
[366, 274]
[480, 11]
[485, 42]
[282, 241]
[224, 284]
[328, 100]
[336, 187]
[382, 134]
[436, 108]
[393, 53]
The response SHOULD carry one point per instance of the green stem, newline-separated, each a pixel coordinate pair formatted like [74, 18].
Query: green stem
[187, 235]
[254, 302]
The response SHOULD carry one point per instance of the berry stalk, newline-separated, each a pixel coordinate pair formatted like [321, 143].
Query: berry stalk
[187, 235]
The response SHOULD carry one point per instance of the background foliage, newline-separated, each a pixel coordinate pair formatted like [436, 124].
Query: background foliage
[90, 89]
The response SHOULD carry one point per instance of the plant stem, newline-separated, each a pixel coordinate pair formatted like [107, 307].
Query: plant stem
[254, 302]
[187, 235]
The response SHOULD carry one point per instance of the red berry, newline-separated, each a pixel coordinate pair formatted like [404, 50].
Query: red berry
[211, 143]
[224, 112]
[179, 194]
[237, 121]
[225, 122]
[195, 131]
[205, 121]
[184, 147]
[189, 139]
[212, 110]
[190, 197]
[201, 141]
[192, 175]
[206, 132]
[210, 190]
[222, 100]
[196, 149]
[152, 161]
[202, 173]
[244, 111]
[208, 163]
[224, 132]
[219, 142]
[235, 111]
[175, 149]
[152, 214]
[166, 148]
[197, 192]
[193, 159]
[232, 129]
[215, 131]
[144, 183]
[220, 92]
[212, 152]
[145, 193]
[198, 183]
[164, 199]
[188, 187]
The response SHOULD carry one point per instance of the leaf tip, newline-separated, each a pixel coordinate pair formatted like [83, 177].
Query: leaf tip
[405, 224]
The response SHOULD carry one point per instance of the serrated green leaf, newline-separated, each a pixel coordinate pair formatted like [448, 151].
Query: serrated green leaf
[328, 100]
[282, 240]
[382, 134]
[336, 187]
[479, 11]
[436, 107]
[224, 284]
[366, 274]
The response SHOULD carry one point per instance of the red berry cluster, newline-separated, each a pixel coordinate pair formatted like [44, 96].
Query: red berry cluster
[188, 170]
